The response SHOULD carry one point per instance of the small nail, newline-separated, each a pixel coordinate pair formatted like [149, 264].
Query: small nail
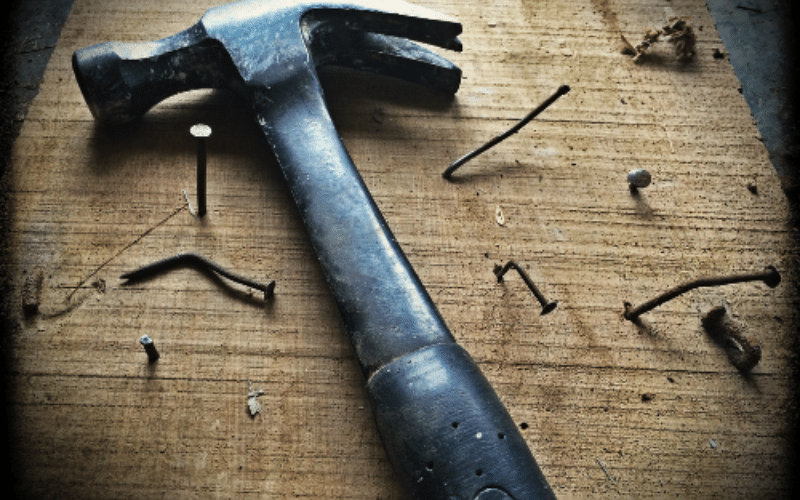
[639, 178]
[505, 135]
[546, 305]
[201, 132]
[31, 291]
[149, 348]
[746, 351]
[770, 277]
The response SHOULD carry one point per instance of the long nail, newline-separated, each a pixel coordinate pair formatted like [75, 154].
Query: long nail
[201, 132]
[546, 306]
[770, 276]
[149, 348]
[197, 260]
[505, 135]
[747, 353]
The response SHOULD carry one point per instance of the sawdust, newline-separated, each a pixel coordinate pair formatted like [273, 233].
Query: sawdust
[677, 32]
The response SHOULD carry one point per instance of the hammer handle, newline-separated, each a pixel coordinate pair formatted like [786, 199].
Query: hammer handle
[445, 430]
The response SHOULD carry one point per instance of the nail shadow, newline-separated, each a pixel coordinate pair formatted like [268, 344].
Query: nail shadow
[642, 326]
[642, 207]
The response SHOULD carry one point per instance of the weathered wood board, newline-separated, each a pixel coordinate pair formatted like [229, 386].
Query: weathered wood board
[609, 408]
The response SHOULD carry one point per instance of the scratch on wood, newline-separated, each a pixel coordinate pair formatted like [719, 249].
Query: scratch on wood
[603, 466]
[129, 245]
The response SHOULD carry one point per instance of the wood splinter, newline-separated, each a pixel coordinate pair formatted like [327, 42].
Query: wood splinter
[745, 351]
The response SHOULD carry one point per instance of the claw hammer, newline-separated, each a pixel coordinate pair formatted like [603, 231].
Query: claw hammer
[445, 431]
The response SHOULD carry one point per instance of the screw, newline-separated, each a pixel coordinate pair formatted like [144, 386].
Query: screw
[150, 348]
[500, 271]
[639, 178]
[31, 292]
[770, 276]
[505, 135]
[197, 260]
[201, 131]
[746, 352]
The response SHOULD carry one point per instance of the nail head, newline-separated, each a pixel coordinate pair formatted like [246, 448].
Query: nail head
[639, 178]
[549, 307]
[773, 278]
[150, 348]
[200, 130]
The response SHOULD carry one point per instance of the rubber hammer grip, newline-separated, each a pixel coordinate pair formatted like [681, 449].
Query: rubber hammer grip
[122, 81]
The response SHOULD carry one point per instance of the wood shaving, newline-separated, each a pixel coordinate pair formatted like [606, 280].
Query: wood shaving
[252, 402]
[677, 32]
[499, 217]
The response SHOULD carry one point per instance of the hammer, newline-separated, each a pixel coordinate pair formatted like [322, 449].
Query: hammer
[445, 431]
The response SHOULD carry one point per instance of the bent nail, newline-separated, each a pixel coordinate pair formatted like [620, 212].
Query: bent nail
[770, 277]
[546, 305]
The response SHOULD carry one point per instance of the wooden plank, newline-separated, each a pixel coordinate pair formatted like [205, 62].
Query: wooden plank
[658, 405]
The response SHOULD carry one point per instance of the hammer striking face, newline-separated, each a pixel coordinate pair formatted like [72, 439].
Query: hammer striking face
[444, 428]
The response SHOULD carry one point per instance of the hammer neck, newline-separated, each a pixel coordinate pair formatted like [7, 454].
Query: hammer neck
[386, 311]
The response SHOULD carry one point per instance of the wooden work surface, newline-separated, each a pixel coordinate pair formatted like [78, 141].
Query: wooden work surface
[610, 409]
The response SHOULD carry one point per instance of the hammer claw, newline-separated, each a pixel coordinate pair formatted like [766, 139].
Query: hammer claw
[390, 56]
[439, 32]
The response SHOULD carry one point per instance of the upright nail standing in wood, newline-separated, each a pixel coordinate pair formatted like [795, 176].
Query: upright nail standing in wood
[639, 178]
[149, 348]
[546, 306]
[770, 276]
[746, 353]
[201, 132]
[505, 135]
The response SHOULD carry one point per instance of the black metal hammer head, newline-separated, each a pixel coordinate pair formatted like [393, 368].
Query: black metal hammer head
[264, 43]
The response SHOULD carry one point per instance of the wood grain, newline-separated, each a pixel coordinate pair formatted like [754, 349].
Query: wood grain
[658, 404]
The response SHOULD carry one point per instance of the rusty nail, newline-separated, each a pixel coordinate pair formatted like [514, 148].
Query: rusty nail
[149, 348]
[197, 260]
[746, 351]
[201, 132]
[505, 135]
[770, 276]
[31, 291]
[500, 271]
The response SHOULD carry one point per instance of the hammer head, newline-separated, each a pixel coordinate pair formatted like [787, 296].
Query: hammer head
[266, 43]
